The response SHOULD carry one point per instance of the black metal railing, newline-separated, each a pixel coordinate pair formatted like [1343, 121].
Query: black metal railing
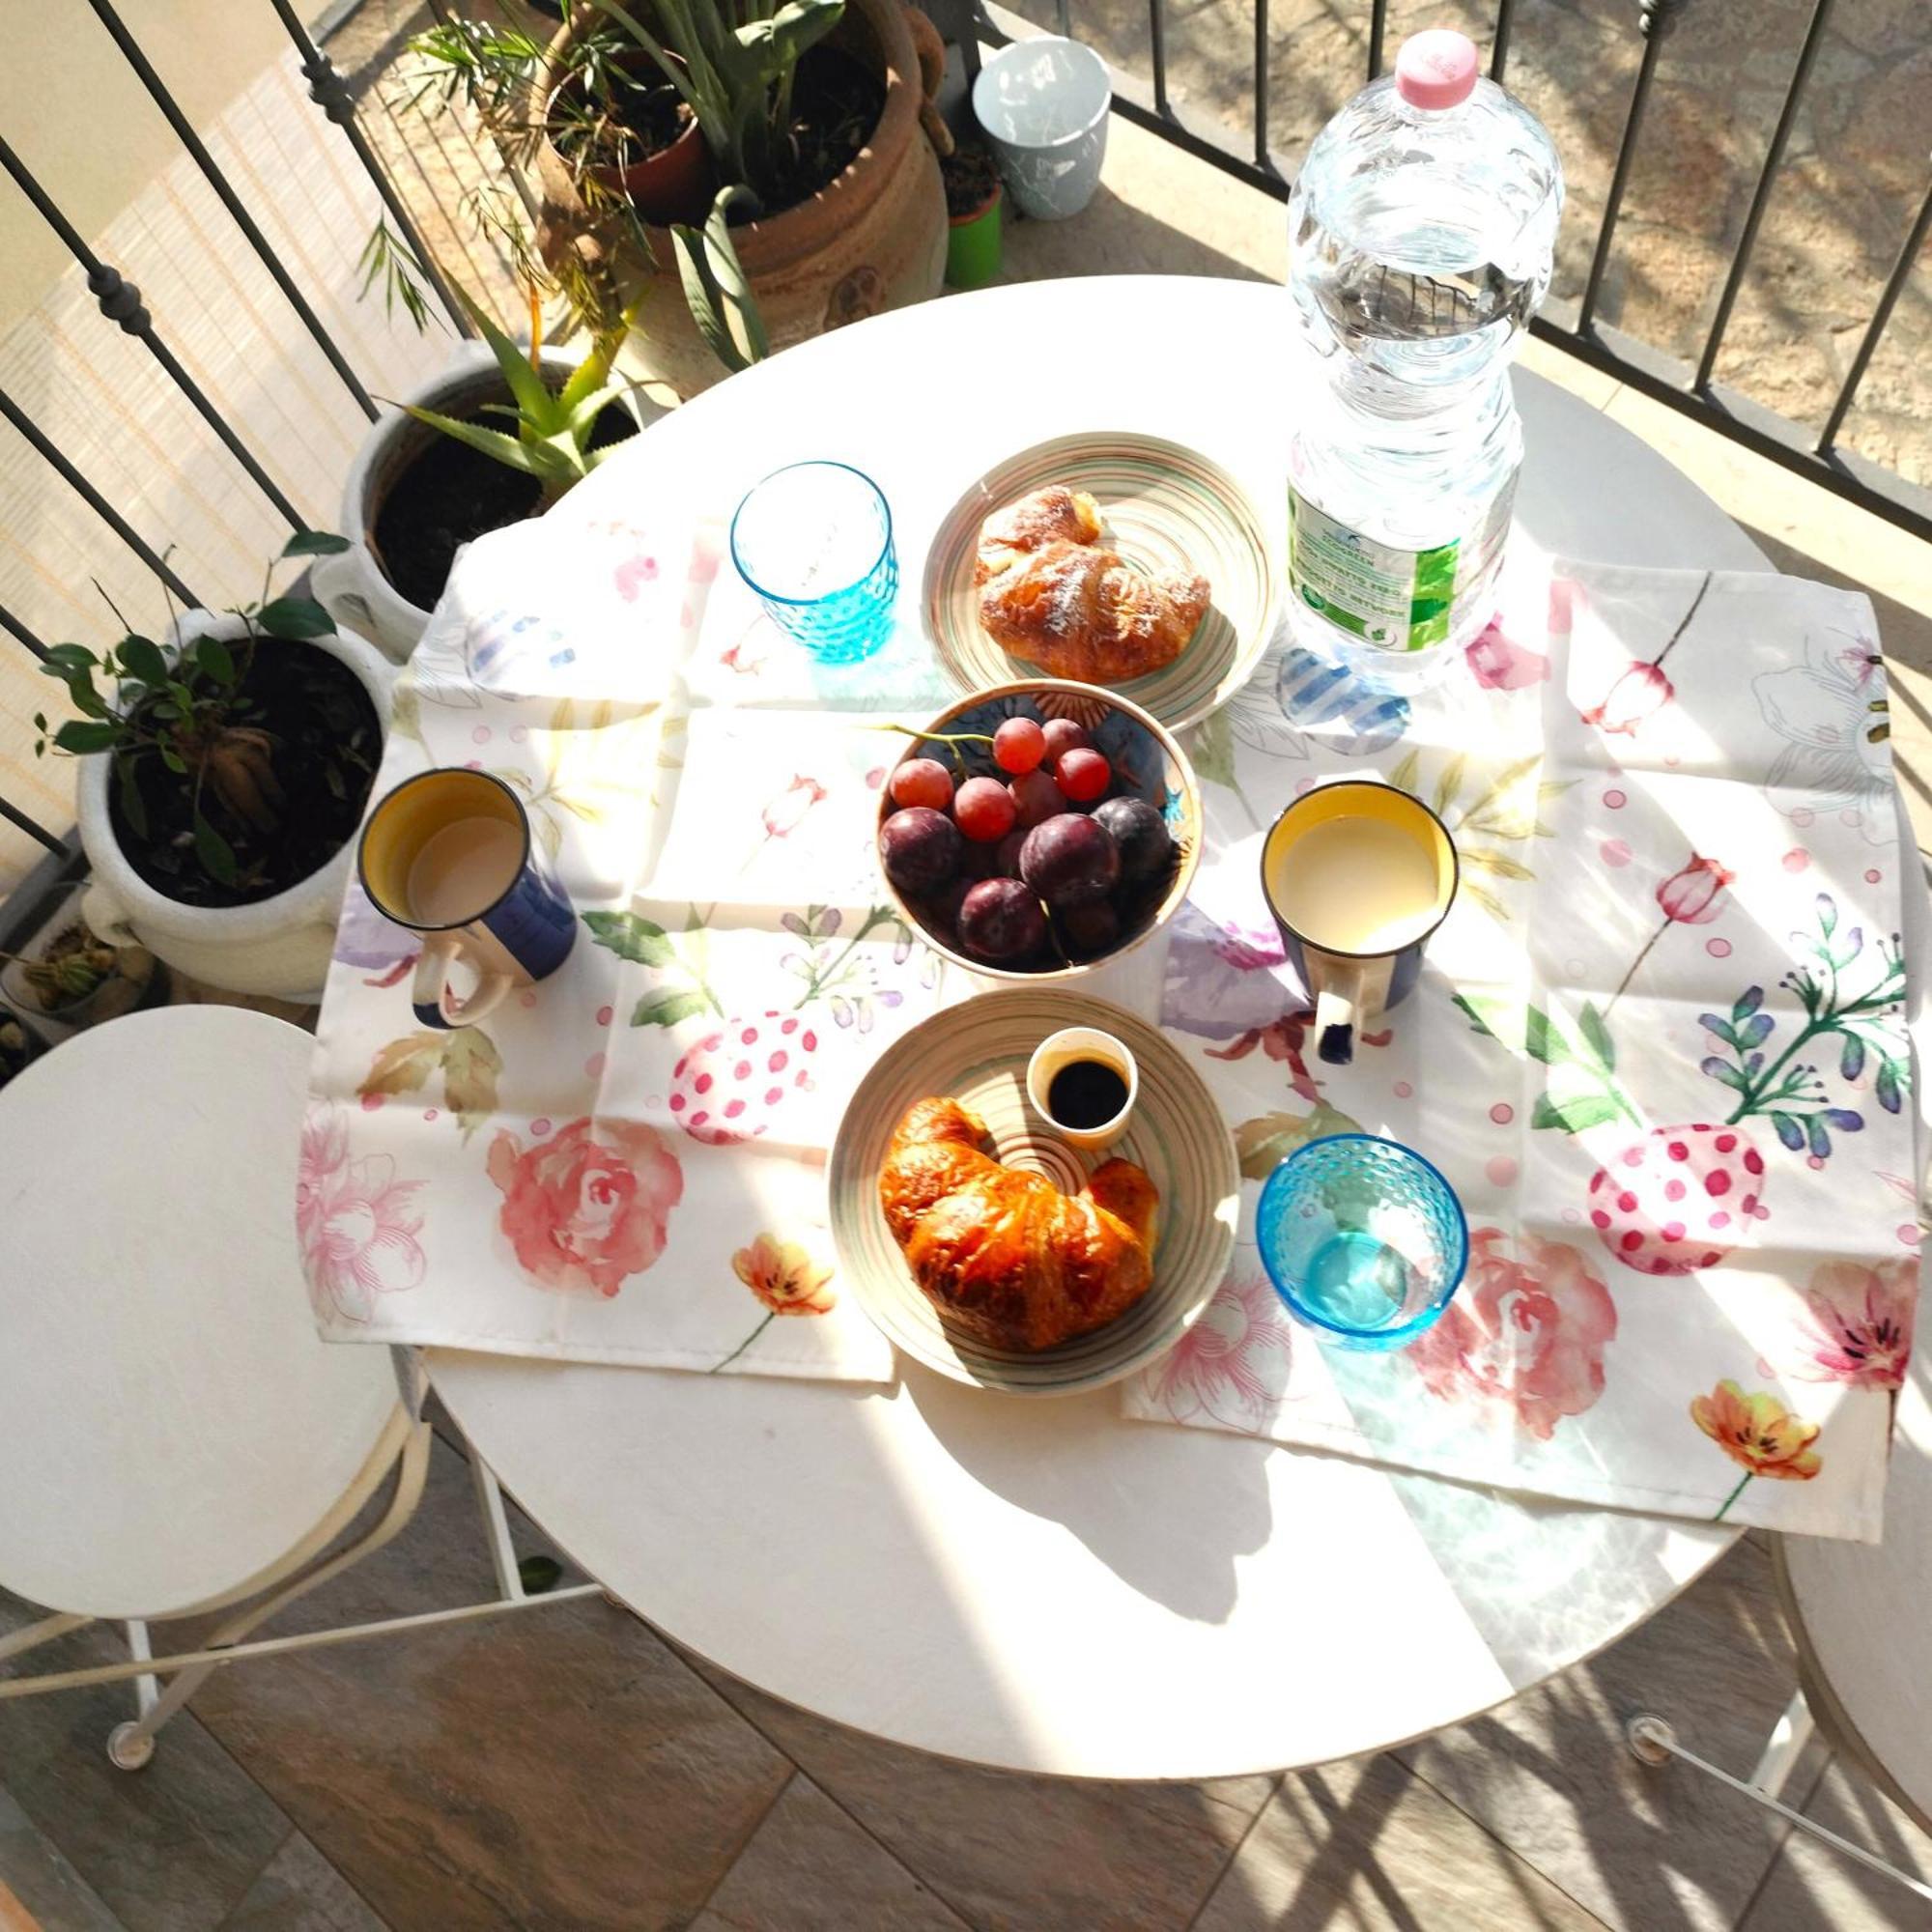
[1688, 386]
[1692, 388]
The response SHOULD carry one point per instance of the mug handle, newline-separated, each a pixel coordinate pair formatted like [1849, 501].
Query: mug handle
[429, 989]
[1335, 1009]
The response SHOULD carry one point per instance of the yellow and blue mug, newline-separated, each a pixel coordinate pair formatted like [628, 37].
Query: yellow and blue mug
[1357, 875]
[449, 854]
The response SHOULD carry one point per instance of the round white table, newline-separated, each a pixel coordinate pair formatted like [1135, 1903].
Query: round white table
[1040, 1585]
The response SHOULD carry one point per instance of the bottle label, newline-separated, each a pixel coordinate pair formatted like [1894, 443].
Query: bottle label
[1397, 600]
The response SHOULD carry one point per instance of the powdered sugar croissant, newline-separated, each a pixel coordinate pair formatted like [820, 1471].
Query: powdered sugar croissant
[1051, 592]
[1004, 1254]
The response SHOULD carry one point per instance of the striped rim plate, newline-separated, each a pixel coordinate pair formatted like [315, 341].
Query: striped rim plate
[978, 1052]
[1165, 508]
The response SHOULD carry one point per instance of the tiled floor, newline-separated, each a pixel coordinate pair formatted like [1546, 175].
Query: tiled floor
[570, 1769]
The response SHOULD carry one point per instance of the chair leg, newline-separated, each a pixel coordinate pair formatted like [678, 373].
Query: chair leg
[45, 1631]
[1786, 1743]
[130, 1746]
[1654, 1742]
[495, 1526]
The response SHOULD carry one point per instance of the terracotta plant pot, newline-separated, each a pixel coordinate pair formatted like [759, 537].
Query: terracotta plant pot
[873, 238]
[675, 184]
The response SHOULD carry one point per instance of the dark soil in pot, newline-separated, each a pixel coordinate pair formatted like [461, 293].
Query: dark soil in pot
[327, 743]
[836, 104]
[646, 118]
[971, 176]
[447, 494]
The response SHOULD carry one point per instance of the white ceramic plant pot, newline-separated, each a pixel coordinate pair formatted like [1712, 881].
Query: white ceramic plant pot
[351, 584]
[279, 947]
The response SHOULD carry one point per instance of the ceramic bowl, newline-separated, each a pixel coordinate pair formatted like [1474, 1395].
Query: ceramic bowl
[1148, 763]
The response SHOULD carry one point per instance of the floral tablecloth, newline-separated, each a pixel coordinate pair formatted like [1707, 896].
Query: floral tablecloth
[1659, 1048]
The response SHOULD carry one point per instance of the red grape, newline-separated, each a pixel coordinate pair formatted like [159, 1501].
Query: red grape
[923, 781]
[1036, 797]
[1083, 774]
[1061, 736]
[1018, 746]
[984, 811]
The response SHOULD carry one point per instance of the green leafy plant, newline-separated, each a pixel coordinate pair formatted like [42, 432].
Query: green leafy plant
[554, 427]
[733, 61]
[188, 708]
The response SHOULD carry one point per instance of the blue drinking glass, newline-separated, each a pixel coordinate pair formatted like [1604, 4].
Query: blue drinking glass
[1362, 1238]
[814, 541]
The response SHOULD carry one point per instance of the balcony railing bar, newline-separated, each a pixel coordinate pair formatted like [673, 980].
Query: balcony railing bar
[331, 93]
[13, 625]
[1656, 20]
[1499, 53]
[1157, 45]
[1774, 159]
[34, 830]
[1263, 160]
[119, 302]
[1888, 301]
[197, 153]
[57, 459]
[1377, 30]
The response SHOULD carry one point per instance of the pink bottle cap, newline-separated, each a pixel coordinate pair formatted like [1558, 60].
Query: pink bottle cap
[1437, 68]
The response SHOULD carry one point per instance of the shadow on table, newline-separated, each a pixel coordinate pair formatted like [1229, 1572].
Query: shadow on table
[1078, 1463]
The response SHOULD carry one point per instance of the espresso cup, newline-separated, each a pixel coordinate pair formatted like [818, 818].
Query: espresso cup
[449, 854]
[1357, 875]
[1067, 1048]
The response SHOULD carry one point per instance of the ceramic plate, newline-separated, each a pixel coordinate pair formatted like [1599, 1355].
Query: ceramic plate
[978, 1052]
[1164, 508]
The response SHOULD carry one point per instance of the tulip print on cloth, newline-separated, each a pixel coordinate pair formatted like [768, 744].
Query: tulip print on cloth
[625, 1163]
[1658, 1049]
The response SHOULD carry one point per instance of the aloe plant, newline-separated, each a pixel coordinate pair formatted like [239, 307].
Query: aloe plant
[554, 426]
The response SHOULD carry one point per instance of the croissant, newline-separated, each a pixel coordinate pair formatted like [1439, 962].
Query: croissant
[1052, 593]
[1006, 1256]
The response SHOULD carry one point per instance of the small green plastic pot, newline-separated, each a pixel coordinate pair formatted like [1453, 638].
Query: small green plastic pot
[973, 244]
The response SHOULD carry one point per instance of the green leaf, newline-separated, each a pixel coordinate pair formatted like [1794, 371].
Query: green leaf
[216, 659]
[141, 658]
[63, 658]
[133, 808]
[713, 276]
[539, 1574]
[315, 543]
[1573, 1115]
[508, 450]
[1484, 861]
[1449, 784]
[632, 938]
[217, 855]
[171, 757]
[80, 737]
[296, 617]
[1498, 1018]
[1268, 1139]
[405, 1065]
[471, 1064]
[1540, 1040]
[1213, 744]
[1598, 1035]
[523, 382]
[667, 1006]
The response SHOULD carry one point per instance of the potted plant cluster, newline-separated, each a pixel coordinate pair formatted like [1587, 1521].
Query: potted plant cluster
[499, 436]
[70, 978]
[825, 199]
[223, 775]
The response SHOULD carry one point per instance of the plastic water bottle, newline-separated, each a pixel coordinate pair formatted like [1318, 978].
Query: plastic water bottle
[1420, 236]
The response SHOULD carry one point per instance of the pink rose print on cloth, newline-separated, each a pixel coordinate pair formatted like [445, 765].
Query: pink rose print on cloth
[1527, 1335]
[785, 813]
[1498, 664]
[1857, 1326]
[1233, 1364]
[589, 1205]
[357, 1223]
